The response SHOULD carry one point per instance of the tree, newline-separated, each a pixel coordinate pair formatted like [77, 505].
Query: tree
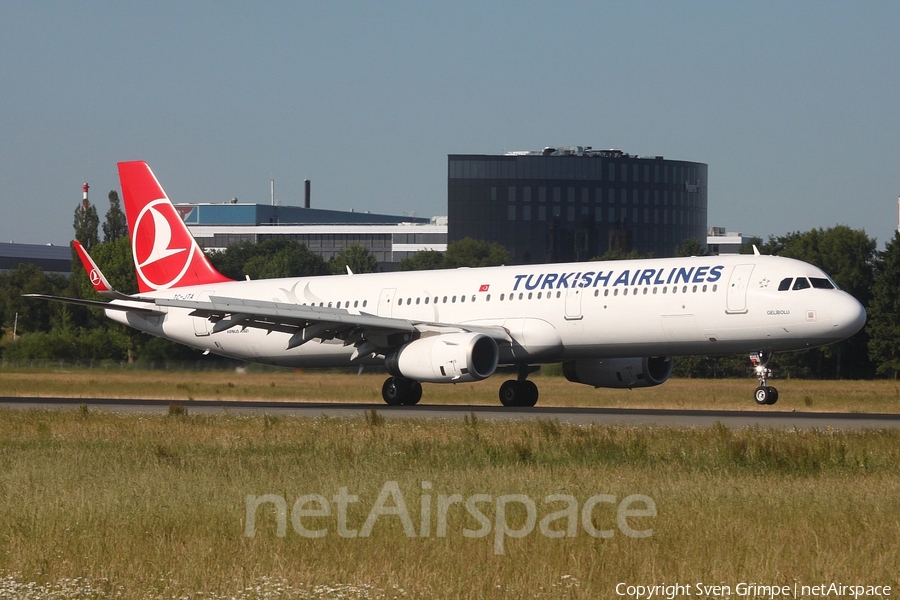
[848, 256]
[359, 259]
[884, 311]
[468, 252]
[33, 315]
[86, 223]
[114, 259]
[115, 225]
[690, 247]
[423, 260]
[620, 255]
[268, 259]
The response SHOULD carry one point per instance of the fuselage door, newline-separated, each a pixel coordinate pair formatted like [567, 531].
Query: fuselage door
[386, 302]
[736, 299]
[573, 304]
[201, 324]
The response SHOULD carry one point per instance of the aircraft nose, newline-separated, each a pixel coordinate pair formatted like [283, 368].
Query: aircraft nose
[848, 316]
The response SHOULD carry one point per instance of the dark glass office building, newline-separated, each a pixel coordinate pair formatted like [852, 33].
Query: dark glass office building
[575, 203]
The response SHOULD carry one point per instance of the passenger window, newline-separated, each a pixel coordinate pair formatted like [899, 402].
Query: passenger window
[820, 283]
[502, 297]
[785, 284]
[427, 299]
[417, 300]
[801, 284]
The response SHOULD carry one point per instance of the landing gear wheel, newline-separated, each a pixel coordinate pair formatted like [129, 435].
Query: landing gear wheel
[761, 395]
[765, 395]
[509, 393]
[415, 393]
[391, 392]
[399, 391]
[530, 397]
[518, 393]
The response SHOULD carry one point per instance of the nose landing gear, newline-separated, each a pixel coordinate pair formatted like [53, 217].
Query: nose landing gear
[764, 394]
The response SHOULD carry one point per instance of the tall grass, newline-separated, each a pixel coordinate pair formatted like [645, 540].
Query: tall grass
[155, 505]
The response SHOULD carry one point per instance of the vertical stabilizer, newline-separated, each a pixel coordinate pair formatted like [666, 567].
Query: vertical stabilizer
[165, 254]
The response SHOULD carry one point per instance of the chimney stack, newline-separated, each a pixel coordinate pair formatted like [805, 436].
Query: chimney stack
[306, 190]
[84, 198]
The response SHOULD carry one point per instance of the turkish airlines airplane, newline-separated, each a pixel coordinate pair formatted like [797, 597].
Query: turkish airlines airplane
[612, 324]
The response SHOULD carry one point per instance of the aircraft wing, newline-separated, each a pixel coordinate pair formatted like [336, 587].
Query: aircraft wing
[369, 333]
[103, 305]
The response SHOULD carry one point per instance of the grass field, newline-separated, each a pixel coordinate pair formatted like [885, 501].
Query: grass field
[322, 386]
[100, 505]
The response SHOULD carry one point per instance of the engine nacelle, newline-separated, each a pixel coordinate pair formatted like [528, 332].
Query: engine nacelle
[446, 358]
[619, 372]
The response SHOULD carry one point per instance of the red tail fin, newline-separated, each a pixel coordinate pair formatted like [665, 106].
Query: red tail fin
[165, 254]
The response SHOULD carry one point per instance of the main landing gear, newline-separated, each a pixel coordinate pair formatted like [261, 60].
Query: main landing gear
[519, 392]
[398, 391]
[764, 394]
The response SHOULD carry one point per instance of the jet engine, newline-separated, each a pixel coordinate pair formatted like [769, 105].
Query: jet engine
[445, 358]
[619, 372]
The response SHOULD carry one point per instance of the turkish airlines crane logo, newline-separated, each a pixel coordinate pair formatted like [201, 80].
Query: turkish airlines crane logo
[162, 253]
[95, 278]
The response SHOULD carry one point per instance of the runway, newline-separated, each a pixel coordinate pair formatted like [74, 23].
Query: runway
[762, 417]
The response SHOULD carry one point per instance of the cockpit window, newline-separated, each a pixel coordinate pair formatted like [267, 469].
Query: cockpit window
[820, 283]
[801, 284]
[785, 284]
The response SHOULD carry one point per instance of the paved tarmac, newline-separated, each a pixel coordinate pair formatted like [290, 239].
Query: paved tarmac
[752, 417]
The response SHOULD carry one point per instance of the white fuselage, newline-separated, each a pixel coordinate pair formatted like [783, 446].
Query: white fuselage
[553, 312]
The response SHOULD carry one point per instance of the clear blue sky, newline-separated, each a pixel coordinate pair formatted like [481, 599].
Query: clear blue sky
[793, 105]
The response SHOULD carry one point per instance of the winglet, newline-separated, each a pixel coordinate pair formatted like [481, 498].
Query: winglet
[755, 250]
[98, 280]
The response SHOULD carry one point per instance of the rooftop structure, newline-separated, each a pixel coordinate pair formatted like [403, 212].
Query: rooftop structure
[50, 258]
